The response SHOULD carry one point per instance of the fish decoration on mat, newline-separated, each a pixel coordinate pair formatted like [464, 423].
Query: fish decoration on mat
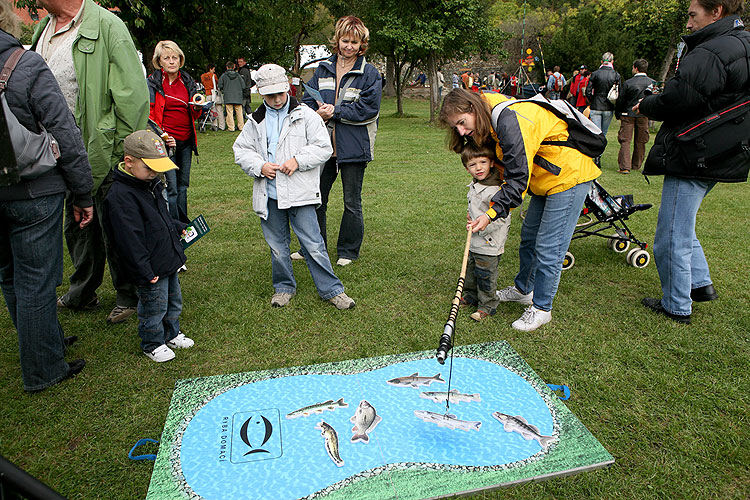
[331, 442]
[365, 419]
[456, 397]
[521, 426]
[449, 421]
[317, 408]
[414, 380]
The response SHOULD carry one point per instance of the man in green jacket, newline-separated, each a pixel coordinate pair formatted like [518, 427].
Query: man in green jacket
[94, 60]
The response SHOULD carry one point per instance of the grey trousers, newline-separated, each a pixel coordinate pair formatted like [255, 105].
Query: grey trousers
[481, 282]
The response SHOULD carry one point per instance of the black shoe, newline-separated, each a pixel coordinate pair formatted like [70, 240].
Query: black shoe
[74, 368]
[655, 305]
[69, 341]
[704, 293]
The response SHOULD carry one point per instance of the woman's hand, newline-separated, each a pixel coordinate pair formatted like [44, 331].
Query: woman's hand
[169, 140]
[268, 170]
[326, 111]
[156, 278]
[479, 223]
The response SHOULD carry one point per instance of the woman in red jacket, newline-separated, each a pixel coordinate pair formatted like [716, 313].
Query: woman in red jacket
[172, 90]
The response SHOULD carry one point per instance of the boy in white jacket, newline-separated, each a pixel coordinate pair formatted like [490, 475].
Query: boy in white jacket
[283, 147]
[487, 246]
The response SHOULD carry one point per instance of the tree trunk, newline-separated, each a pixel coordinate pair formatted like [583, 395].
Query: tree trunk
[667, 63]
[390, 76]
[399, 87]
[432, 78]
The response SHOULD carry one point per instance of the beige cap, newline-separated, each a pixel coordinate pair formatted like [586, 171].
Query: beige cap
[271, 79]
[148, 146]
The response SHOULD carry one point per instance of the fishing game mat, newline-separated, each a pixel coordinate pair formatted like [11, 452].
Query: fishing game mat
[370, 429]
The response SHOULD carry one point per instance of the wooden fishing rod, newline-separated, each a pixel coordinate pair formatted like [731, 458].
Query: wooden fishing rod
[450, 326]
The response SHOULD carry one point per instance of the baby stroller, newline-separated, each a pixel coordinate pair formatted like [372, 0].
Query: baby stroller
[207, 117]
[610, 213]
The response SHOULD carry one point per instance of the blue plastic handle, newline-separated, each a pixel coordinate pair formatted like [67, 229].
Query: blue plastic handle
[142, 457]
[564, 388]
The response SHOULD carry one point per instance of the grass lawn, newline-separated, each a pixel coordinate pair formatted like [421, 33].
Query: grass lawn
[668, 401]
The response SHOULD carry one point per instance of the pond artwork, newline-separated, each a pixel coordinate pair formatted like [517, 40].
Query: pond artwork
[374, 428]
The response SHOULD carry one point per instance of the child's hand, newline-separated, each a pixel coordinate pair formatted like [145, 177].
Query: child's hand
[269, 170]
[156, 278]
[479, 223]
[289, 166]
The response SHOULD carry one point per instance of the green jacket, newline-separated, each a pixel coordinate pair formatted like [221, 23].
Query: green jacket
[113, 97]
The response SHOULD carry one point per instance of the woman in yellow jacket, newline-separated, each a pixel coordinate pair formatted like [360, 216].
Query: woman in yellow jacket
[528, 140]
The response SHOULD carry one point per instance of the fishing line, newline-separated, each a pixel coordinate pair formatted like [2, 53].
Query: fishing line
[450, 376]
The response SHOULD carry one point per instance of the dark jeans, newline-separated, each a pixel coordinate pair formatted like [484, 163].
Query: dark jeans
[352, 228]
[159, 309]
[178, 181]
[31, 267]
[481, 281]
[89, 249]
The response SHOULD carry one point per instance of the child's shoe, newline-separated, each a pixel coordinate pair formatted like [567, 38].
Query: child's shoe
[462, 302]
[342, 301]
[160, 354]
[280, 299]
[343, 262]
[531, 319]
[181, 342]
[512, 294]
[478, 315]
[296, 256]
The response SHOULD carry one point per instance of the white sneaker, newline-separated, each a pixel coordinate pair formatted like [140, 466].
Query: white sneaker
[182, 269]
[160, 354]
[297, 256]
[531, 319]
[343, 262]
[181, 342]
[511, 294]
[280, 299]
[342, 301]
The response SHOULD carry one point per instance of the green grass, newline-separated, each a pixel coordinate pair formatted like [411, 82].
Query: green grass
[668, 401]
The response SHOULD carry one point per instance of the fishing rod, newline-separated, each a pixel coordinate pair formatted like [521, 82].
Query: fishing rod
[450, 325]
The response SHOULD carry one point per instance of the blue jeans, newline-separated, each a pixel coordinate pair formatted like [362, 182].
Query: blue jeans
[601, 119]
[678, 253]
[545, 237]
[31, 267]
[305, 225]
[352, 228]
[178, 181]
[159, 309]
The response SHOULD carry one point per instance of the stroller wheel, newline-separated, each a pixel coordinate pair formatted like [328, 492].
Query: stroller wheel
[568, 261]
[619, 246]
[629, 256]
[639, 258]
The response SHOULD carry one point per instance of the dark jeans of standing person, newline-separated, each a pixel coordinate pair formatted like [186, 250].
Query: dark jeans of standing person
[89, 249]
[31, 267]
[178, 181]
[159, 310]
[352, 228]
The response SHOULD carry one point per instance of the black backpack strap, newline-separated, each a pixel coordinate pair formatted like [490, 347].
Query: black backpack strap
[10, 65]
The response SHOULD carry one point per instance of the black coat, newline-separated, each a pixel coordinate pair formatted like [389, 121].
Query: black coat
[714, 73]
[34, 97]
[145, 237]
[631, 92]
[600, 82]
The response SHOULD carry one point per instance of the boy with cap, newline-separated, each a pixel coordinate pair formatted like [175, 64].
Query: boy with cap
[147, 239]
[283, 147]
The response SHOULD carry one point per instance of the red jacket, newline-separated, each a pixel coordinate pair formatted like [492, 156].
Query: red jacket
[158, 101]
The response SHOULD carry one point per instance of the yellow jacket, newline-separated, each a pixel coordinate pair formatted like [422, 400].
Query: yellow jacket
[528, 164]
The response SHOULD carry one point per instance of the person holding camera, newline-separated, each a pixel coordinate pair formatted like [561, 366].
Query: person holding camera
[631, 121]
[713, 75]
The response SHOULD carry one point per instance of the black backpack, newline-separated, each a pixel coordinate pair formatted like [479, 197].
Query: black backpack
[32, 154]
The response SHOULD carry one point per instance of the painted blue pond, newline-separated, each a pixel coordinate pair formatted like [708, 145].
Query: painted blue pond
[241, 445]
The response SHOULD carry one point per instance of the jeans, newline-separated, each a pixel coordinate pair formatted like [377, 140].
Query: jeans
[178, 181]
[352, 228]
[601, 119]
[159, 309]
[678, 253]
[481, 281]
[305, 225]
[90, 249]
[545, 237]
[31, 267]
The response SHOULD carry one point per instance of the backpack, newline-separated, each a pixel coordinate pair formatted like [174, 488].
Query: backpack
[33, 154]
[558, 82]
[583, 135]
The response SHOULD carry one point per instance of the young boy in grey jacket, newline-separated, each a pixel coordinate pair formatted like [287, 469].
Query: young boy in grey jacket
[487, 246]
[282, 147]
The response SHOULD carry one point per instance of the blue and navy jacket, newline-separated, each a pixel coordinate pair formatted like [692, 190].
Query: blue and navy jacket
[356, 118]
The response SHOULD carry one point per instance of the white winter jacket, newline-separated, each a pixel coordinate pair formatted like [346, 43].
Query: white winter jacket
[491, 240]
[303, 136]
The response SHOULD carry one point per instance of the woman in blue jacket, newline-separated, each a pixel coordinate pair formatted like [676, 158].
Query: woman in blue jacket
[351, 90]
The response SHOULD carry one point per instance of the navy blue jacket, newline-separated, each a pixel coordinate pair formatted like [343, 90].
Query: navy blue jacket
[145, 236]
[356, 118]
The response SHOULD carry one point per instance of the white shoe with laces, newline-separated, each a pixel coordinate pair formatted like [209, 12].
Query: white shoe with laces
[297, 256]
[512, 294]
[181, 342]
[531, 319]
[160, 354]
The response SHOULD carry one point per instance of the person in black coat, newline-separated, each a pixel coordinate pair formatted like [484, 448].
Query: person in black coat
[712, 75]
[31, 216]
[600, 83]
[631, 93]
